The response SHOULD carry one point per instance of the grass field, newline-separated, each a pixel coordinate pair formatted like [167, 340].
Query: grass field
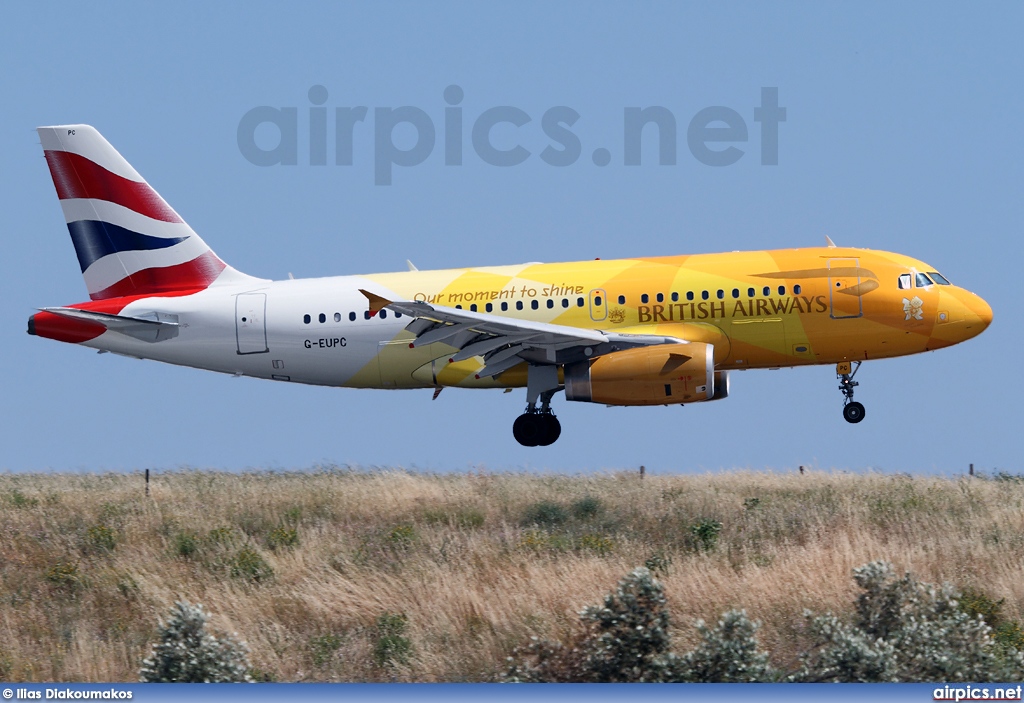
[341, 575]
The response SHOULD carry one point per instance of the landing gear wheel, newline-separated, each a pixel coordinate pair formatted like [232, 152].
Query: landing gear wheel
[528, 429]
[853, 412]
[552, 430]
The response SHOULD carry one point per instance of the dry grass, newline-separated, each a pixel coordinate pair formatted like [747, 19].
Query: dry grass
[88, 564]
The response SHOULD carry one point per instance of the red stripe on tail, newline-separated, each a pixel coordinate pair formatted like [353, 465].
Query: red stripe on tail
[77, 177]
[196, 274]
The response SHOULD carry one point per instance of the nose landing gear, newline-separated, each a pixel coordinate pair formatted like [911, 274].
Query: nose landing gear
[853, 411]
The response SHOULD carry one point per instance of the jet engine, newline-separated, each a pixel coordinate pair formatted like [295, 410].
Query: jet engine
[664, 374]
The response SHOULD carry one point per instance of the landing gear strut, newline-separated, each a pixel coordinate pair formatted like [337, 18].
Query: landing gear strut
[537, 427]
[853, 411]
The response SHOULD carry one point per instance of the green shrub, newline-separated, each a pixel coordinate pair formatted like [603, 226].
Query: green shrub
[463, 518]
[187, 653]
[598, 544]
[402, 536]
[391, 646]
[249, 565]
[186, 544]
[323, 648]
[1009, 635]
[728, 653]
[220, 536]
[545, 514]
[282, 537]
[658, 563]
[905, 630]
[586, 507]
[978, 604]
[751, 503]
[100, 538]
[64, 574]
[20, 500]
[705, 533]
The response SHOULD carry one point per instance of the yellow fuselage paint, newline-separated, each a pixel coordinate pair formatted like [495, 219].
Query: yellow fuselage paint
[762, 309]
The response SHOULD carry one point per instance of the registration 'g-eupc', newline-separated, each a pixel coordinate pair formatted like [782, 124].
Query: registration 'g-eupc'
[644, 331]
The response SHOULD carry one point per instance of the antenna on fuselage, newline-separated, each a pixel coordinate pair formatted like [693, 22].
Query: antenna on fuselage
[831, 244]
[412, 266]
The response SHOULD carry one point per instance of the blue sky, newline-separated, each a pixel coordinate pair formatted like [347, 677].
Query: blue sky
[902, 133]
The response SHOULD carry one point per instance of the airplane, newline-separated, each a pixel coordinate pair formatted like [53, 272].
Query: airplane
[661, 330]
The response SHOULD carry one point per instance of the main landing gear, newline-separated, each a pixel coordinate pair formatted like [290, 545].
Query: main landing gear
[538, 426]
[853, 411]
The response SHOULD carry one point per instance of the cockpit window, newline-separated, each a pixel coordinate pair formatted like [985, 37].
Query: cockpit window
[904, 281]
[939, 278]
[922, 280]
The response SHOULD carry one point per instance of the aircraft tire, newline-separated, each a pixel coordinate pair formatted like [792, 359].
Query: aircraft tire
[552, 430]
[528, 429]
[853, 412]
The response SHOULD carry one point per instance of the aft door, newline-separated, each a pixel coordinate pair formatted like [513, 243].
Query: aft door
[598, 305]
[843, 279]
[251, 323]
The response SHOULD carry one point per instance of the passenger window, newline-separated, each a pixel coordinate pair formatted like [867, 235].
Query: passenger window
[939, 278]
[534, 304]
[921, 281]
[383, 314]
[661, 298]
[306, 319]
[750, 292]
[488, 307]
[689, 295]
[351, 317]
[398, 315]
[644, 298]
[598, 300]
[565, 302]
[721, 293]
[766, 291]
[458, 307]
[622, 300]
[551, 303]
[782, 290]
[366, 315]
[337, 317]
[504, 307]
[675, 297]
[580, 302]
[322, 318]
[797, 289]
[519, 305]
[704, 295]
[472, 308]
[735, 292]
[904, 281]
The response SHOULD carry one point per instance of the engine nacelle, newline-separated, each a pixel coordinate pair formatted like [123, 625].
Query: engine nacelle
[721, 385]
[665, 374]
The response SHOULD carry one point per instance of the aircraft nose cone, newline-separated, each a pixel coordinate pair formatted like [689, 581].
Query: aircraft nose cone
[978, 314]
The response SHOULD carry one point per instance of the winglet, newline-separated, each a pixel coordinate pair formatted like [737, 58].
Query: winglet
[831, 244]
[412, 266]
[376, 302]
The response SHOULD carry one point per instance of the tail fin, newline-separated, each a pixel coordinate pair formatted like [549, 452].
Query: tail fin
[129, 241]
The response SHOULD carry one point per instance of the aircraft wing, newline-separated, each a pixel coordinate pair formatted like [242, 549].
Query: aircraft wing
[504, 342]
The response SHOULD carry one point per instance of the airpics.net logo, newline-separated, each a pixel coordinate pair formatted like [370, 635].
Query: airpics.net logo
[407, 136]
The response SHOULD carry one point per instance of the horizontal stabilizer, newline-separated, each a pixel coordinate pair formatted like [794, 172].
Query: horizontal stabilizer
[148, 327]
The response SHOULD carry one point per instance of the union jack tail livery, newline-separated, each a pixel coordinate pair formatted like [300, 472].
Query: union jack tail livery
[129, 241]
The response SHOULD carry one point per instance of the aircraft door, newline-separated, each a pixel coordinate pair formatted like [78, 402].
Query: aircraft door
[251, 323]
[598, 305]
[844, 275]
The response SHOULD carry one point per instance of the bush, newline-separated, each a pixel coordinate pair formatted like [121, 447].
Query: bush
[586, 507]
[323, 648]
[282, 537]
[391, 647]
[706, 533]
[186, 544]
[101, 538]
[187, 653]
[248, 564]
[64, 574]
[402, 537]
[627, 640]
[545, 513]
[907, 631]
